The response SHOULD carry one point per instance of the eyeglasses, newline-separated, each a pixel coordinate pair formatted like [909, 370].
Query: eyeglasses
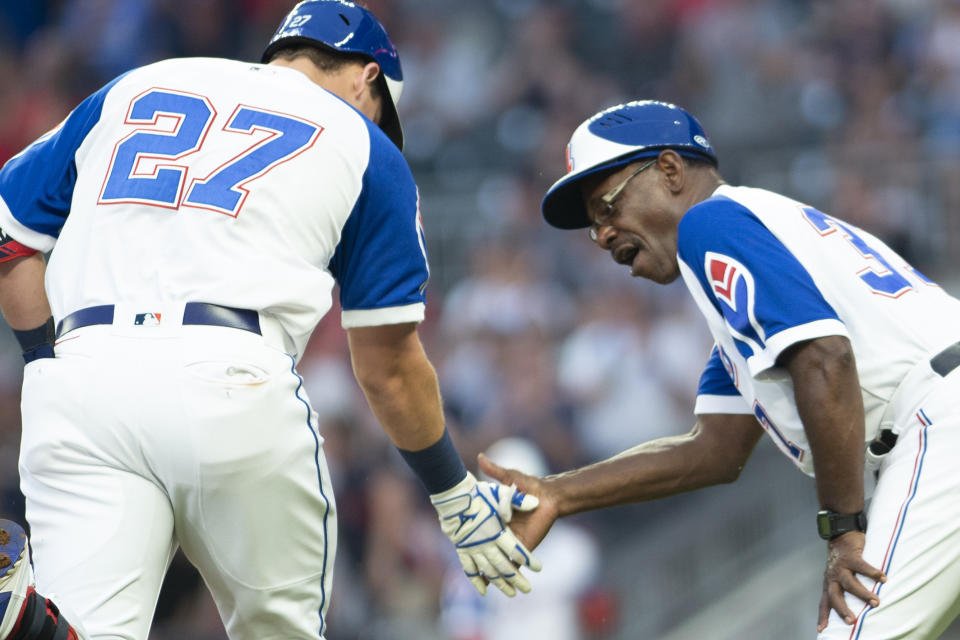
[608, 213]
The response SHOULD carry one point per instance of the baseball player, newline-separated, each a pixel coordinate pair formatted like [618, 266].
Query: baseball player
[826, 340]
[199, 212]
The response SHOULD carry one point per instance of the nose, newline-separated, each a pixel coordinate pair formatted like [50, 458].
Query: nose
[606, 234]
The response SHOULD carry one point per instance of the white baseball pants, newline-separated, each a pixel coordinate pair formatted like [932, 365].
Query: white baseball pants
[913, 522]
[140, 439]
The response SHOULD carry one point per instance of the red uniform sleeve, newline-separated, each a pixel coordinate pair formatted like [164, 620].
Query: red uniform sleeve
[10, 249]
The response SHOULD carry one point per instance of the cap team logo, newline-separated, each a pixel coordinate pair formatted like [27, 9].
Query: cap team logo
[733, 288]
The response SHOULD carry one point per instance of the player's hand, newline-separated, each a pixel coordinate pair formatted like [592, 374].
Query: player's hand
[844, 561]
[530, 526]
[473, 515]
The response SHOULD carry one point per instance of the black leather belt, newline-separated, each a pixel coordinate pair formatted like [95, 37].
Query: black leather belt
[942, 364]
[194, 313]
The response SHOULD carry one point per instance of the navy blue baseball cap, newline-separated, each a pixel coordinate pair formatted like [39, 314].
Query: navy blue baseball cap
[616, 137]
[349, 28]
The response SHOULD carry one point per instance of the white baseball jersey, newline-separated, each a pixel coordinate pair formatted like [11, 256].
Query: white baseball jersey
[225, 182]
[768, 272]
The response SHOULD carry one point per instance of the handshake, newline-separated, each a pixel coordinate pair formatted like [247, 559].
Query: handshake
[474, 515]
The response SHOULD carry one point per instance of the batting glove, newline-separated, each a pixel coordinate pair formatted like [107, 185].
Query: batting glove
[474, 516]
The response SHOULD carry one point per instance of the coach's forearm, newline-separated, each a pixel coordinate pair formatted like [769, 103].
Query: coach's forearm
[827, 391]
[714, 452]
[399, 382]
[648, 471]
[22, 296]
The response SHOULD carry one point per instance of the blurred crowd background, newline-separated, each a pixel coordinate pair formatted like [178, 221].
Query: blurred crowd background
[850, 105]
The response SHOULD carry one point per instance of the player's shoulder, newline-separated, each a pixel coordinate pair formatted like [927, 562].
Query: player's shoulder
[189, 75]
[759, 201]
[385, 155]
[720, 214]
[189, 66]
[730, 210]
[215, 75]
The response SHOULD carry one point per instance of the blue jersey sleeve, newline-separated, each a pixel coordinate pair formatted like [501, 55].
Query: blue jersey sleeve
[381, 261]
[767, 299]
[36, 185]
[716, 379]
[717, 392]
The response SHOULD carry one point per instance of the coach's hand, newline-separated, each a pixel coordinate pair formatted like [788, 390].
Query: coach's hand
[844, 561]
[531, 526]
[474, 516]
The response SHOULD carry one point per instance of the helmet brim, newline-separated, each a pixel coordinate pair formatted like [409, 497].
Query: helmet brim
[389, 117]
[563, 205]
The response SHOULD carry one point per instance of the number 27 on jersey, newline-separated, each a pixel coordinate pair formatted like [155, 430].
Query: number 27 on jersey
[172, 125]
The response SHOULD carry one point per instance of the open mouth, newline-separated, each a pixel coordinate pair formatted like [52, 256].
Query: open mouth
[625, 254]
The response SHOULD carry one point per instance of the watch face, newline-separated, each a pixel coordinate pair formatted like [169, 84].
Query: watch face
[823, 525]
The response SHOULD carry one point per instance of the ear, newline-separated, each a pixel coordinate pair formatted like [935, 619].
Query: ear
[365, 78]
[671, 165]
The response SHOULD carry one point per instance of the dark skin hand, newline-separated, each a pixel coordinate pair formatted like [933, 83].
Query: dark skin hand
[844, 560]
[827, 391]
[530, 527]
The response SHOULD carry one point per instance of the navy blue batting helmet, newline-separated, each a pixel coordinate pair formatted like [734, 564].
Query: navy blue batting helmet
[347, 27]
[616, 137]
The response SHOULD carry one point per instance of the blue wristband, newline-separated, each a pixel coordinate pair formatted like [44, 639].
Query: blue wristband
[37, 343]
[439, 466]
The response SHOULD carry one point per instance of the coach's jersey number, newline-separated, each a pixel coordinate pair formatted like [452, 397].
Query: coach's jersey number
[191, 116]
[879, 275]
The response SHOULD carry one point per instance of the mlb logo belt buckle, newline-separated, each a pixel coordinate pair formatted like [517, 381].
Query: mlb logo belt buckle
[148, 319]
